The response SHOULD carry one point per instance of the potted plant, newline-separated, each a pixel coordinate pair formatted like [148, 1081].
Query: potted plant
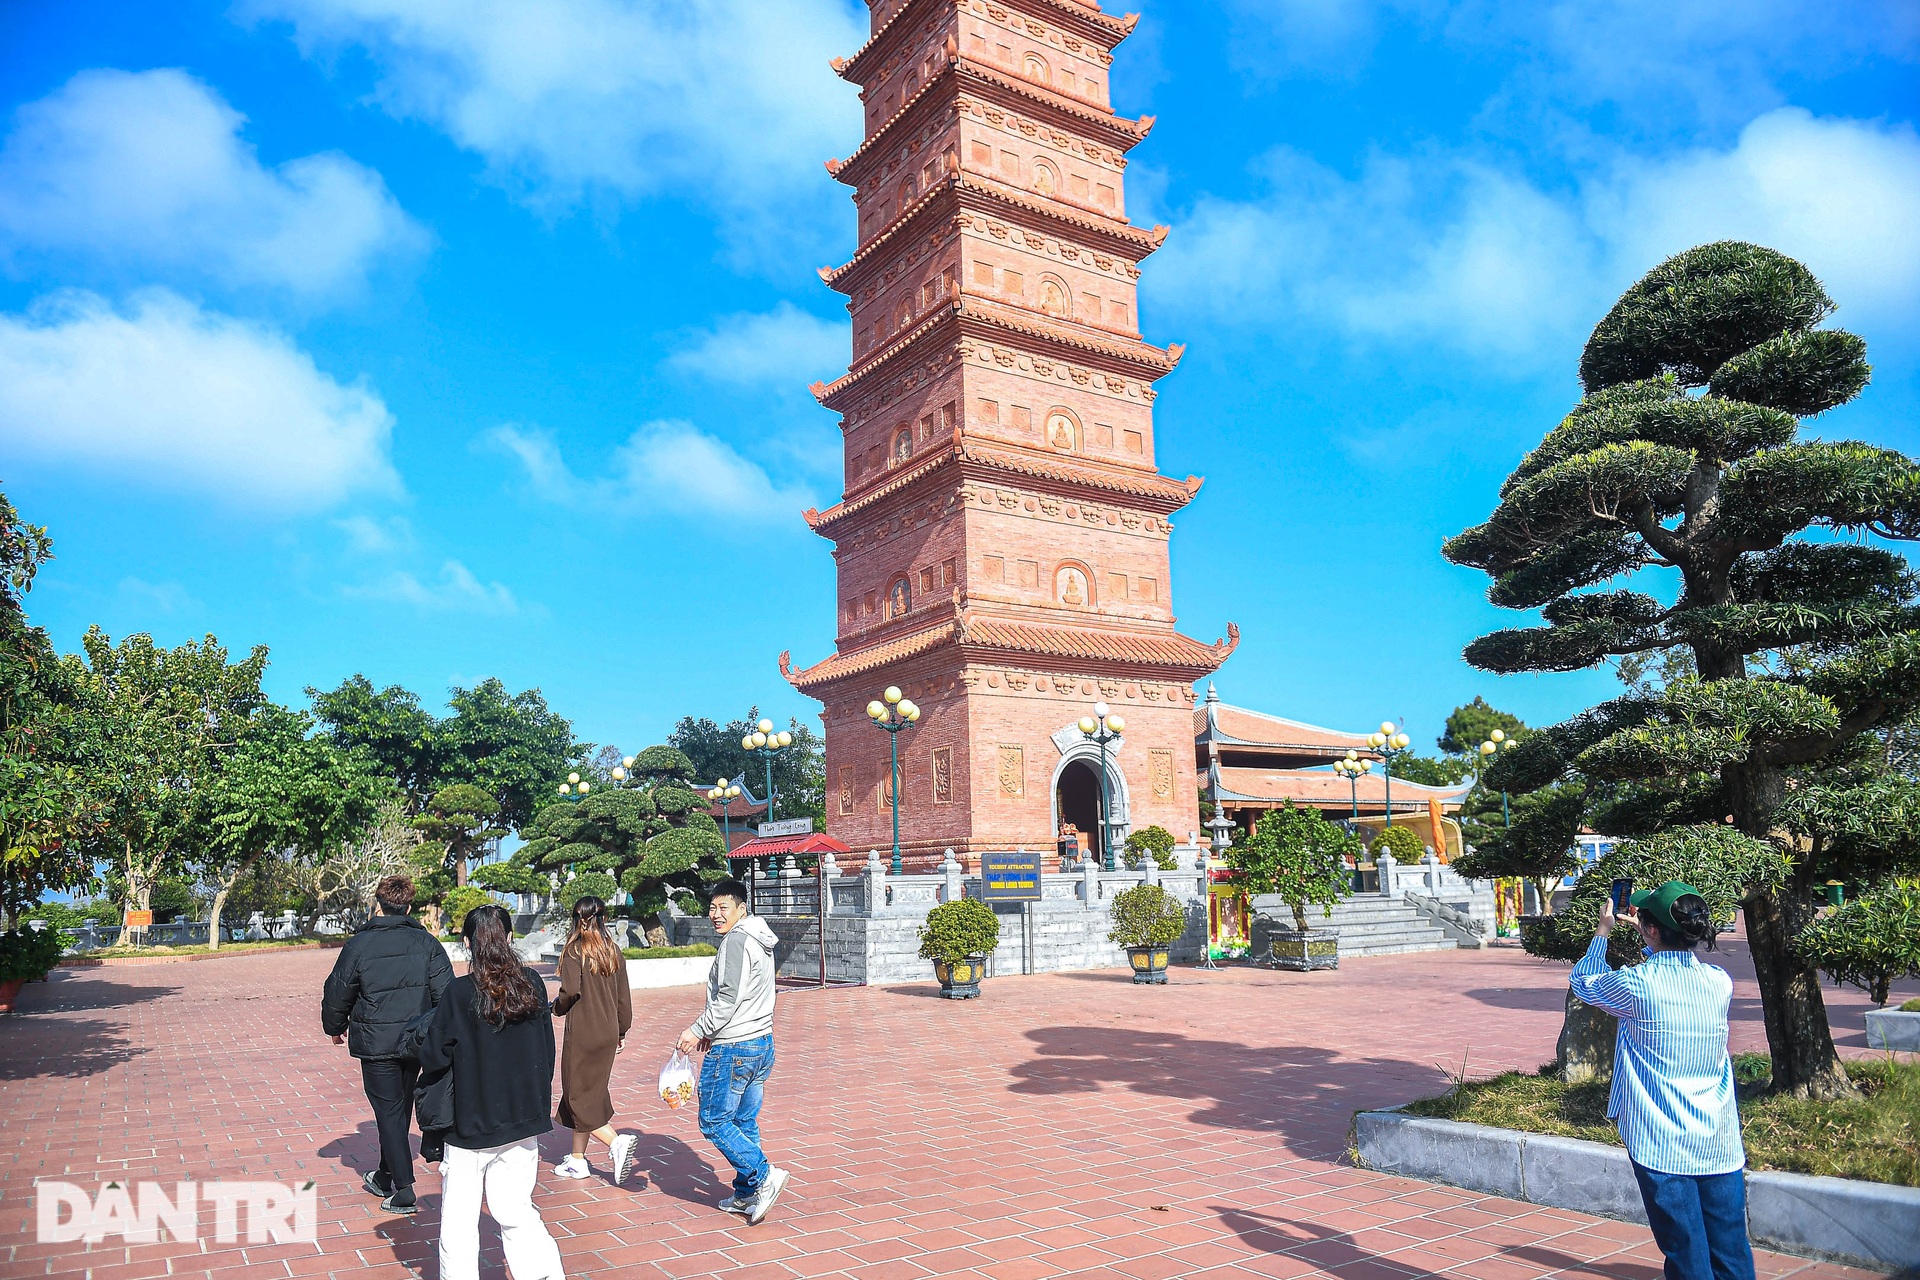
[1145, 919]
[1301, 858]
[958, 937]
[26, 955]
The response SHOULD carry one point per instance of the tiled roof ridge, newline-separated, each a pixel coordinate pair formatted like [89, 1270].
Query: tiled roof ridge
[1131, 132]
[1137, 352]
[866, 659]
[1266, 715]
[1142, 239]
[818, 520]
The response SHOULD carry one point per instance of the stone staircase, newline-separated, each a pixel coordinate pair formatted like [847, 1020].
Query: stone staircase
[1370, 925]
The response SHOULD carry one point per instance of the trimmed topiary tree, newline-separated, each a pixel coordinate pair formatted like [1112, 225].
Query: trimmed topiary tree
[1401, 842]
[462, 899]
[1151, 842]
[1686, 454]
[1538, 847]
[651, 836]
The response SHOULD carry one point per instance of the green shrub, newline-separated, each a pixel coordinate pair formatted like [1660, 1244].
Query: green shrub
[1156, 842]
[595, 883]
[668, 953]
[1871, 941]
[956, 930]
[1146, 916]
[1911, 1006]
[1401, 842]
[463, 899]
[63, 916]
[29, 956]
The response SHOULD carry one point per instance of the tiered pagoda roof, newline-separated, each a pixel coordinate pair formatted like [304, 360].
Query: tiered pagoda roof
[1084, 19]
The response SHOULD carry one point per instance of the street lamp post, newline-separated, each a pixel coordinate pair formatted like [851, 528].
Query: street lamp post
[725, 793]
[1498, 741]
[1353, 768]
[895, 713]
[1102, 727]
[767, 744]
[1390, 743]
[575, 786]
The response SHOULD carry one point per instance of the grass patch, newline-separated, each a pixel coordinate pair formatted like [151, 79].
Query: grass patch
[1875, 1137]
[668, 953]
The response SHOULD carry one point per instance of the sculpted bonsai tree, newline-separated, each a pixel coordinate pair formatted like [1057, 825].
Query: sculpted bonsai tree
[1537, 847]
[1687, 454]
[1871, 941]
[652, 835]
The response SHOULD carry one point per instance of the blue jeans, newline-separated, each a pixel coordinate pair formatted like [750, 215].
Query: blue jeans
[732, 1080]
[1699, 1223]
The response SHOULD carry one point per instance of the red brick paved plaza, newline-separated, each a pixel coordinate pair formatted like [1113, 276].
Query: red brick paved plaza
[1066, 1124]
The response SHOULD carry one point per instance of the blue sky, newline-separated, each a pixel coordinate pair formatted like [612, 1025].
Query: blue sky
[438, 342]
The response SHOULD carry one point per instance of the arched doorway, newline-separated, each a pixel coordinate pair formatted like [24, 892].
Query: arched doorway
[1077, 800]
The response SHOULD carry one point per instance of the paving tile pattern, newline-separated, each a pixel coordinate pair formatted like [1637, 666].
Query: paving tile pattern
[1066, 1124]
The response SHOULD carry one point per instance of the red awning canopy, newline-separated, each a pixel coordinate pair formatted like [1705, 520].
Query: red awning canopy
[813, 842]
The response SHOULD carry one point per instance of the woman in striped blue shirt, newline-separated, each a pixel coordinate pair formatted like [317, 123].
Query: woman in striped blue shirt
[1673, 1095]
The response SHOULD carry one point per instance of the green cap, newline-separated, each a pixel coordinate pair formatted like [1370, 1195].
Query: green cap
[1658, 903]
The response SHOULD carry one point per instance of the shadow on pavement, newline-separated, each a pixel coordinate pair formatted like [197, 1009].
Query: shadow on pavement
[1552, 1260]
[66, 991]
[1537, 999]
[36, 1046]
[1334, 1252]
[1296, 1091]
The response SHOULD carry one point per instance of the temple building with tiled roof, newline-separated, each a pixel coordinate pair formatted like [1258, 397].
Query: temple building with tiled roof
[1001, 540]
[1250, 762]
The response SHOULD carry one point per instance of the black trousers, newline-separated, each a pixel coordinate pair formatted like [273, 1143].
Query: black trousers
[389, 1084]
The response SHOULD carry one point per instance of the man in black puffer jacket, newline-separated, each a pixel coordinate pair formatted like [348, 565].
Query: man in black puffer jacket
[390, 970]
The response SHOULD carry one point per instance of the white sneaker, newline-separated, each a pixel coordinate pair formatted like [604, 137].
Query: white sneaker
[573, 1167]
[769, 1192]
[623, 1148]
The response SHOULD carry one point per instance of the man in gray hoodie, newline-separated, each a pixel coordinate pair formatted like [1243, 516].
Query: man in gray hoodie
[736, 1030]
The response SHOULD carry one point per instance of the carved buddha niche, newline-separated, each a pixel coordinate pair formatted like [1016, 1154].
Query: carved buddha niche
[1045, 181]
[899, 598]
[1053, 296]
[1070, 587]
[1063, 432]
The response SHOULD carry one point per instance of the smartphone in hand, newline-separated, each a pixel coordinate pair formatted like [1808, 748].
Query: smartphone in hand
[1622, 896]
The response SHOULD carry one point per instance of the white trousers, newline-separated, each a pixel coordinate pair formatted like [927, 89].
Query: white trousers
[507, 1175]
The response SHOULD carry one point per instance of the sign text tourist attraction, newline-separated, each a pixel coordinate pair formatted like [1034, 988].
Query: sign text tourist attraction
[787, 827]
[1010, 877]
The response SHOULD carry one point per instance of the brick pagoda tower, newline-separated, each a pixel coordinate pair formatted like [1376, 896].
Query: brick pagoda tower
[1002, 538]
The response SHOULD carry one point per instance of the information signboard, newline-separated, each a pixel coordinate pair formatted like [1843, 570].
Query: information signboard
[1010, 877]
[137, 920]
[786, 827]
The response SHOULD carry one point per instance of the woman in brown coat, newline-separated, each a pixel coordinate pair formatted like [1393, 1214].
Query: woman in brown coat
[598, 1008]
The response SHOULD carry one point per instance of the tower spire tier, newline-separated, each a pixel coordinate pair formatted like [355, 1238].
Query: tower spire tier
[1001, 545]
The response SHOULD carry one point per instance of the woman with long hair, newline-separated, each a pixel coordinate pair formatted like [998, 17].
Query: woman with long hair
[598, 1007]
[1673, 1096]
[493, 1031]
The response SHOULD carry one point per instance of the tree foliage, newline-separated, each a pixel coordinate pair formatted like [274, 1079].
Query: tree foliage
[1539, 846]
[279, 790]
[1870, 942]
[45, 812]
[1473, 723]
[1297, 855]
[161, 724]
[1687, 454]
[799, 772]
[461, 819]
[511, 745]
[1151, 842]
[1146, 916]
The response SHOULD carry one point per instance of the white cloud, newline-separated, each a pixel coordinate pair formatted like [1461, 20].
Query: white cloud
[370, 536]
[148, 171]
[785, 346]
[720, 101]
[165, 392]
[1472, 257]
[666, 467]
[456, 590]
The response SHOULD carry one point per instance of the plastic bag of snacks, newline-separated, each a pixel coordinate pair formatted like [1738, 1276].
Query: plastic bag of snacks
[676, 1081]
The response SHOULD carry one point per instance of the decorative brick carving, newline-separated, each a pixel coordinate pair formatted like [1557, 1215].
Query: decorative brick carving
[1013, 771]
[943, 775]
[1160, 772]
[846, 789]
